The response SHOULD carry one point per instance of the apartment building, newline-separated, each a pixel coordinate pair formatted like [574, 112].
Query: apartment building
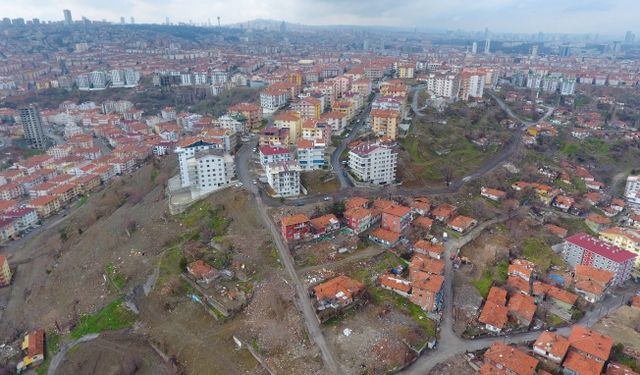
[5, 271]
[472, 84]
[290, 121]
[284, 178]
[625, 238]
[251, 113]
[310, 154]
[385, 122]
[373, 163]
[584, 249]
[272, 99]
[632, 193]
[273, 154]
[308, 108]
[443, 85]
[203, 167]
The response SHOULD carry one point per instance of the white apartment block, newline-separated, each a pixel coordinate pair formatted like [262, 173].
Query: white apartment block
[373, 163]
[632, 193]
[273, 99]
[443, 85]
[568, 86]
[234, 122]
[472, 86]
[310, 154]
[284, 178]
[202, 167]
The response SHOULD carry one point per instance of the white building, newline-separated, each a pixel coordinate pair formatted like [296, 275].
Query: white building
[273, 99]
[568, 86]
[284, 178]
[443, 85]
[98, 79]
[202, 166]
[632, 193]
[234, 122]
[201, 78]
[273, 154]
[310, 154]
[472, 85]
[373, 163]
[186, 79]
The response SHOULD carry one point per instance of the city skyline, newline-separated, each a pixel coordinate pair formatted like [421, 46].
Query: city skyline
[502, 16]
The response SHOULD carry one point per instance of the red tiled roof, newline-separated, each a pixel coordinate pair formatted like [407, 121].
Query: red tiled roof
[601, 248]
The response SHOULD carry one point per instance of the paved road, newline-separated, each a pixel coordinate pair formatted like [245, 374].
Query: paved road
[414, 102]
[357, 123]
[450, 345]
[303, 301]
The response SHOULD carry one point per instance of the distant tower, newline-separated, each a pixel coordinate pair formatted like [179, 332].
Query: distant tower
[283, 27]
[122, 20]
[474, 48]
[534, 51]
[167, 21]
[133, 21]
[218, 21]
[67, 17]
[487, 46]
[629, 37]
[32, 125]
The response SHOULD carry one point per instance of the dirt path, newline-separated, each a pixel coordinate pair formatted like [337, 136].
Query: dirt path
[367, 253]
[57, 359]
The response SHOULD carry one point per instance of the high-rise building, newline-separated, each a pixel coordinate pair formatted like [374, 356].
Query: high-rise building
[32, 124]
[122, 20]
[629, 37]
[534, 51]
[487, 46]
[67, 17]
[474, 48]
[133, 20]
[632, 193]
[564, 51]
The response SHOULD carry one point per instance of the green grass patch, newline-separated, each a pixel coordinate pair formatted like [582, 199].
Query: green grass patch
[116, 279]
[496, 274]
[171, 264]
[539, 252]
[112, 317]
[555, 320]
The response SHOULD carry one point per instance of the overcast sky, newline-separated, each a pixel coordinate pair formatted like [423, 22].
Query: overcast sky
[527, 16]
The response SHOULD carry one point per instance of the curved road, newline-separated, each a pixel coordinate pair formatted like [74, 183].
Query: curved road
[449, 344]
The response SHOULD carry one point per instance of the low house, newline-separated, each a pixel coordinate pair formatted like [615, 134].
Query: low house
[563, 203]
[359, 219]
[294, 227]
[518, 284]
[202, 272]
[423, 222]
[561, 299]
[558, 231]
[427, 291]
[578, 364]
[421, 263]
[384, 237]
[591, 283]
[597, 222]
[552, 346]
[33, 346]
[430, 249]
[395, 284]
[521, 268]
[506, 359]
[494, 314]
[396, 218]
[421, 205]
[443, 212]
[522, 308]
[590, 343]
[492, 194]
[337, 293]
[462, 223]
[356, 202]
[324, 224]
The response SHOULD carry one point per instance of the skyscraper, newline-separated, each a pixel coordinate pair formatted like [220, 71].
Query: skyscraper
[133, 20]
[629, 37]
[474, 48]
[487, 46]
[122, 20]
[67, 17]
[32, 125]
[534, 51]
